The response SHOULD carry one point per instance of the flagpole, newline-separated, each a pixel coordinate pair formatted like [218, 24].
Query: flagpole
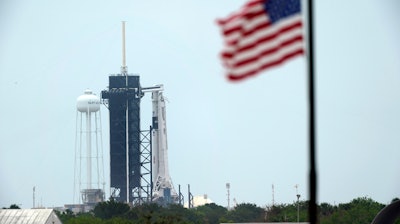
[312, 207]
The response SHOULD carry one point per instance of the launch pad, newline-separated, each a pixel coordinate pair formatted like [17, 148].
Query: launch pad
[138, 158]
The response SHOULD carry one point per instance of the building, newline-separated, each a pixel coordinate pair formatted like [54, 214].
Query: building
[28, 216]
[199, 200]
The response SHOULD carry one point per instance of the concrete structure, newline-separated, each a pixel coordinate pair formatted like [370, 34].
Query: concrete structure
[28, 216]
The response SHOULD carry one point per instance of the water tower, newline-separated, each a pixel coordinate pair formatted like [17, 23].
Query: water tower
[88, 150]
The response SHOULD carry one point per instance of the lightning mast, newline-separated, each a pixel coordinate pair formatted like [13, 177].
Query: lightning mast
[228, 186]
[273, 195]
[124, 68]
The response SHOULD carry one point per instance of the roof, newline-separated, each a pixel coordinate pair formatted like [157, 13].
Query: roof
[28, 216]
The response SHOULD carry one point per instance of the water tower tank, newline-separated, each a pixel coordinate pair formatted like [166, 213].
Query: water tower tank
[88, 102]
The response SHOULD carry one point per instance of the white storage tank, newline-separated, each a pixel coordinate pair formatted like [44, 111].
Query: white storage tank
[88, 102]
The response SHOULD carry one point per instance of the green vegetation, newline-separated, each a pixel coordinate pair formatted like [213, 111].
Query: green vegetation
[358, 211]
[13, 206]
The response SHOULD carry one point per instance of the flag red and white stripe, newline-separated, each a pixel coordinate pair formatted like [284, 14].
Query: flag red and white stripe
[253, 43]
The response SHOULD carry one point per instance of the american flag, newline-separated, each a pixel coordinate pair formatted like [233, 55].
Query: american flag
[262, 34]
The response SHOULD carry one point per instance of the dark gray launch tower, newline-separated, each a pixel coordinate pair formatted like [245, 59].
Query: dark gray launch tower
[123, 99]
[130, 148]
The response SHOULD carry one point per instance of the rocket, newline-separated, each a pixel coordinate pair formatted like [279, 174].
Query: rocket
[163, 189]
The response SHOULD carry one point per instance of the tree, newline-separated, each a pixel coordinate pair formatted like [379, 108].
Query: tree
[145, 213]
[153, 213]
[110, 209]
[119, 220]
[326, 209]
[13, 206]
[246, 212]
[211, 213]
[65, 216]
[274, 213]
[84, 219]
[358, 211]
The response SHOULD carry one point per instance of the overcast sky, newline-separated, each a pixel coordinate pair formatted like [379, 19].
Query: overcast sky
[251, 134]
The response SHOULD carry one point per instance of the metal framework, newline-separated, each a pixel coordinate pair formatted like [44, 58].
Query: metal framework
[143, 194]
[181, 198]
[130, 147]
[123, 100]
[190, 198]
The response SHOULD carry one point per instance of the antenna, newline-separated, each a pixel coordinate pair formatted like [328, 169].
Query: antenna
[124, 68]
[228, 186]
[33, 196]
[298, 205]
[273, 195]
[297, 192]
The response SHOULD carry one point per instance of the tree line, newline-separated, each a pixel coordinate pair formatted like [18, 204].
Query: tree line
[361, 210]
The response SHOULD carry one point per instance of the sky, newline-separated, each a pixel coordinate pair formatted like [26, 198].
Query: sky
[252, 134]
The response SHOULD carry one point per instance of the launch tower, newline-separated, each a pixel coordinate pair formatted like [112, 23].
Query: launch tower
[131, 159]
[129, 154]
[123, 99]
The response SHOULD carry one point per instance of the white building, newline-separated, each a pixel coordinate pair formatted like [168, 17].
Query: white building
[199, 200]
[28, 216]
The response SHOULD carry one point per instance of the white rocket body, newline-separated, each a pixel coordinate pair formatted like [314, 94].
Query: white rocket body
[163, 189]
